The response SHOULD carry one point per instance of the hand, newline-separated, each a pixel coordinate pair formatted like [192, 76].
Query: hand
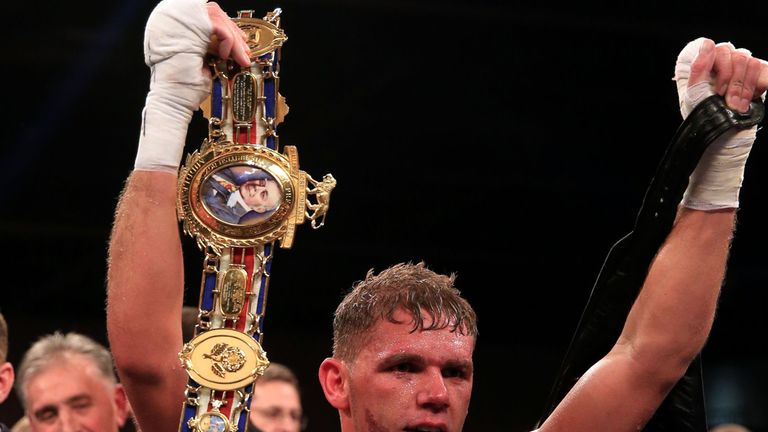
[228, 40]
[726, 70]
[177, 37]
[703, 69]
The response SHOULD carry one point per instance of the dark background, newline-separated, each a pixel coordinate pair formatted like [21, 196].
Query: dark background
[509, 142]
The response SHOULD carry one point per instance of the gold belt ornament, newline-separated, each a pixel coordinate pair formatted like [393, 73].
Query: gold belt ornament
[237, 195]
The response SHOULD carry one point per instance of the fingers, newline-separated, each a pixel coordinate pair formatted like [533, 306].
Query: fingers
[762, 78]
[738, 95]
[751, 79]
[739, 77]
[722, 67]
[704, 68]
[229, 40]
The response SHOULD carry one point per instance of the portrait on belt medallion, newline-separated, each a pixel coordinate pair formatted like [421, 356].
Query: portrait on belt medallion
[241, 194]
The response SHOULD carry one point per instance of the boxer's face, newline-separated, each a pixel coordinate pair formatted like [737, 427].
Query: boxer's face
[411, 380]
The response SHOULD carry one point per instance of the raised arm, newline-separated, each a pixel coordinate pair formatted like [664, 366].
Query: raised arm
[673, 314]
[145, 276]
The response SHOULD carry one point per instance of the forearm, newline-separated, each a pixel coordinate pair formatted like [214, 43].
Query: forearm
[666, 327]
[144, 298]
[673, 314]
[671, 318]
[145, 275]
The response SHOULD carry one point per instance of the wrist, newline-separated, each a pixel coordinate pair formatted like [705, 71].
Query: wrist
[716, 181]
[178, 87]
[175, 43]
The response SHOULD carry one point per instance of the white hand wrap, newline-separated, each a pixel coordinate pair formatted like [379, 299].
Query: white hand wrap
[175, 42]
[716, 181]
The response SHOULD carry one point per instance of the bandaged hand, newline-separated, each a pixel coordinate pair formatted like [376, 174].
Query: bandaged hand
[177, 36]
[702, 70]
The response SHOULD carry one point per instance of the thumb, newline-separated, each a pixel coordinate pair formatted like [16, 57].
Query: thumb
[701, 67]
[692, 73]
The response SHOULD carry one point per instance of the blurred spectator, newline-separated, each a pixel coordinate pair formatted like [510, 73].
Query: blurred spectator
[68, 381]
[6, 369]
[188, 322]
[729, 427]
[276, 402]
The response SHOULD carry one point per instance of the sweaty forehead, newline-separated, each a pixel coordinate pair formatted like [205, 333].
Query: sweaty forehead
[386, 339]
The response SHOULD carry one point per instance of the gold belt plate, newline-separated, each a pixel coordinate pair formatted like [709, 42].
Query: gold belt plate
[223, 359]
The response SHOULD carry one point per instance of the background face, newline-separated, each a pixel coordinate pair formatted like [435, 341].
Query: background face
[71, 394]
[276, 407]
[560, 113]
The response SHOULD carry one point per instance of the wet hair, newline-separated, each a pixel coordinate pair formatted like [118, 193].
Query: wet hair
[407, 286]
[53, 348]
[3, 339]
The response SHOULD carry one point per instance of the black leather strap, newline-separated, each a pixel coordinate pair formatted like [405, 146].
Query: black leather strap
[627, 263]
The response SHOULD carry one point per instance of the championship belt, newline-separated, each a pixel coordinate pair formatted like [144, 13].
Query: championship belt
[238, 195]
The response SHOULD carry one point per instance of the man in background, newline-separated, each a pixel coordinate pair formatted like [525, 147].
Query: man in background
[67, 382]
[276, 401]
[6, 369]
[729, 427]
